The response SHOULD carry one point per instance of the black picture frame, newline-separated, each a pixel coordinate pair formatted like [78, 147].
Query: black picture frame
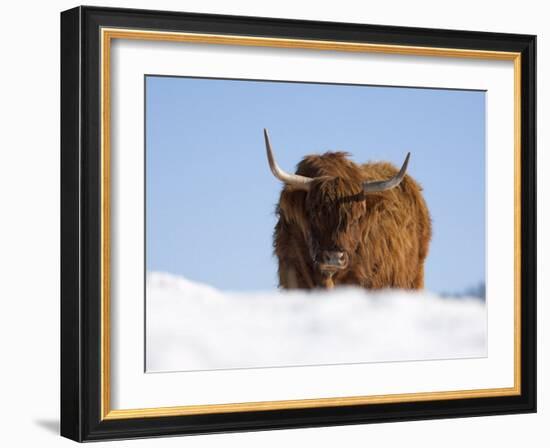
[81, 224]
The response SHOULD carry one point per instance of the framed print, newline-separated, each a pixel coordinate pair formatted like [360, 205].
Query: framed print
[272, 223]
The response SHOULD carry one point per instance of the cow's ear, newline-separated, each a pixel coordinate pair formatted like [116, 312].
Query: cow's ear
[374, 199]
[292, 207]
[297, 189]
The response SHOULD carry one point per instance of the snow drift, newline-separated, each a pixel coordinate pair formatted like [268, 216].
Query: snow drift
[190, 326]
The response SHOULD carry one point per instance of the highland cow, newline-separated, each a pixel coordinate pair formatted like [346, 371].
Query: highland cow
[340, 223]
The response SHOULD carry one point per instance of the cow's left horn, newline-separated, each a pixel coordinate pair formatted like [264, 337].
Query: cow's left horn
[383, 185]
[294, 180]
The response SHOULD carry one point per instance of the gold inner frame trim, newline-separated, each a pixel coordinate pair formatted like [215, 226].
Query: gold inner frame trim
[107, 34]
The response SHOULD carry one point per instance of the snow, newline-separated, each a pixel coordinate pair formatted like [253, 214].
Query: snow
[191, 326]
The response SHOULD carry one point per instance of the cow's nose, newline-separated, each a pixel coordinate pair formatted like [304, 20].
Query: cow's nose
[334, 258]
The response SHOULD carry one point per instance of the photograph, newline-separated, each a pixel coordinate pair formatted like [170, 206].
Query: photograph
[302, 224]
[274, 223]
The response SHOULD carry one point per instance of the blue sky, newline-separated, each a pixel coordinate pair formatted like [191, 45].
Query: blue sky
[210, 197]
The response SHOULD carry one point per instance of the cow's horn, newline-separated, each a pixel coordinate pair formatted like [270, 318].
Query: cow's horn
[294, 180]
[382, 185]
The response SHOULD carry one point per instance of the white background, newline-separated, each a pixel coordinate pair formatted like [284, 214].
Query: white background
[29, 233]
[132, 388]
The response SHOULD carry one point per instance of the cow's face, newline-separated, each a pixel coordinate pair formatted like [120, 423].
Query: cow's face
[334, 208]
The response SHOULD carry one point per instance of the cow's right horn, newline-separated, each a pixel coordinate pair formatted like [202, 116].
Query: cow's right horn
[383, 185]
[294, 180]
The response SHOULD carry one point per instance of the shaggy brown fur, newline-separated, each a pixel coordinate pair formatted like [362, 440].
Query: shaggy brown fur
[386, 235]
